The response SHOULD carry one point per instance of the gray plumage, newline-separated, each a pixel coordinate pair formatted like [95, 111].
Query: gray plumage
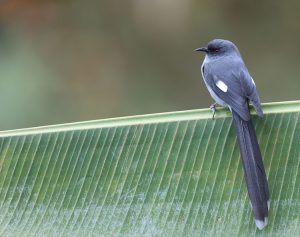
[230, 84]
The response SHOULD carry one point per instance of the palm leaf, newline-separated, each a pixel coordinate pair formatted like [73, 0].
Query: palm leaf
[170, 174]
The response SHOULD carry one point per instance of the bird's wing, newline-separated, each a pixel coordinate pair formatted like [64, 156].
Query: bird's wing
[232, 83]
[250, 91]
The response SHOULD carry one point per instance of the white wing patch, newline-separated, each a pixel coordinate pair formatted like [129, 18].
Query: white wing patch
[253, 81]
[222, 86]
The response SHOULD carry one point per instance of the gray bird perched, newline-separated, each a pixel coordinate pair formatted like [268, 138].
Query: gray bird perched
[230, 84]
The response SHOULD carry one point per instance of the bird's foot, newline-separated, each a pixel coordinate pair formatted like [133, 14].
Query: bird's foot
[213, 109]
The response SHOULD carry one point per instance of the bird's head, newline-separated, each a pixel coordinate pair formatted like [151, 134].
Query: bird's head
[219, 47]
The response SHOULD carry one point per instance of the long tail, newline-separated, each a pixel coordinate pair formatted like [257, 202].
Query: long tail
[254, 170]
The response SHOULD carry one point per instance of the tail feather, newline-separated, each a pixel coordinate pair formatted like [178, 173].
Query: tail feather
[254, 170]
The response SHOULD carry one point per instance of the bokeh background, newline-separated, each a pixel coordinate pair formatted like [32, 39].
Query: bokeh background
[72, 60]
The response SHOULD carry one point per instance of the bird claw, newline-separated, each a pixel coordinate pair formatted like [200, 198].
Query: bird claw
[213, 108]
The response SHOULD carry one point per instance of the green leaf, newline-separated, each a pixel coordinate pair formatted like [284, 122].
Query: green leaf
[170, 174]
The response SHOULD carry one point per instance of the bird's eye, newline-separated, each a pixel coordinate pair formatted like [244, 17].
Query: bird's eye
[213, 49]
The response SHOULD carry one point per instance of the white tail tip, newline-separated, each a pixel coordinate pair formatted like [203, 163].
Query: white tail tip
[261, 224]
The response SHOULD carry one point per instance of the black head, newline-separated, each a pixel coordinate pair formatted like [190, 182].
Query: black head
[218, 47]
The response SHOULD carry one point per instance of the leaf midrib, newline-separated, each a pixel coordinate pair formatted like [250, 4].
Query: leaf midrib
[197, 114]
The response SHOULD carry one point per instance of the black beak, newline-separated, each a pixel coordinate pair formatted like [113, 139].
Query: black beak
[203, 49]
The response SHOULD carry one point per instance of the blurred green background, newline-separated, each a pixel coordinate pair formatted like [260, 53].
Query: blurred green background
[64, 61]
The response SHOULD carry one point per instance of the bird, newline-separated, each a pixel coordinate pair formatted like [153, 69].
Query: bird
[231, 85]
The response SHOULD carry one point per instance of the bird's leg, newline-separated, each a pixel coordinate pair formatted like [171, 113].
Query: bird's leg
[213, 108]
